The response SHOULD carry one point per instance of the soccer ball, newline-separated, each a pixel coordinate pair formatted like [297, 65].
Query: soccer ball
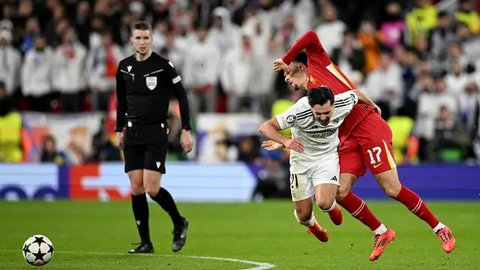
[37, 250]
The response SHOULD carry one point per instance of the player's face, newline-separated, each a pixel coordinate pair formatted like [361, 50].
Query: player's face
[296, 77]
[323, 113]
[141, 41]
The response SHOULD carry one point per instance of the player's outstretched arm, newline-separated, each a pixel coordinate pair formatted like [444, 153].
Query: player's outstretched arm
[309, 42]
[271, 128]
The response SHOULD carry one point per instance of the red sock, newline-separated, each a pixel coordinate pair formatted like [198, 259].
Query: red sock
[359, 210]
[416, 205]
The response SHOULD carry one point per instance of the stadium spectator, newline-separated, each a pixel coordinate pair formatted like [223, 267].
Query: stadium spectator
[69, 71]
[469, 43]
[301, 11]
[124, 31]
[248, 149]
[408, 60]
[82, 22]
[331, 29]
[97, 26]
[264, 45]
[224, 34]
[160, 11]
[36, 76]
[175, 49]
[273, 177]
[262, 94]
[147, 80]
[371, 42]
[50, 153]
[467, 14]
[439, 39]
[456, 78]
[393, 26]
[401, 126]
[103, 146]
[420, 20]
[288, 32]
[429, 102]
[102, 63]
[467, 103]
[159, 35]
[350, 55]
[384, 85]
[239, 68]
[450, 140]
[10, 129]
[25, 10]
[32, 29]
[201, 70]
[10, 62]
[424, 83]
[56, 25]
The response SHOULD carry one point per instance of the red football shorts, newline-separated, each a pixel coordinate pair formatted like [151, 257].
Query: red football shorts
[369, 145]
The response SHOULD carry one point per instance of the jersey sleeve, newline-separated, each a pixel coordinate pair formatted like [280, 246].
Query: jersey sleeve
[121, 100]
[172, 73]
[345, 101]
[290, 117]
[308, 41]
[181, 95]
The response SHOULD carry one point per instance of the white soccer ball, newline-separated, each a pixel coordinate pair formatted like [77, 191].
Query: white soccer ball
[37, 250]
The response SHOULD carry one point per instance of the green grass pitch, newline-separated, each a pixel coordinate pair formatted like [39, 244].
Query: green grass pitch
[96, 235]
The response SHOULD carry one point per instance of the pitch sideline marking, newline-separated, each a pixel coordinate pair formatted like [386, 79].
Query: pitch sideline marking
[258, 265]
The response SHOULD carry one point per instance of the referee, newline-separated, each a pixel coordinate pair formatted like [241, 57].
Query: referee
[145, 82]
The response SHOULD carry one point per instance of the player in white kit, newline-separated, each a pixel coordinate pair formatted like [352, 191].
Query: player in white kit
[314, 164]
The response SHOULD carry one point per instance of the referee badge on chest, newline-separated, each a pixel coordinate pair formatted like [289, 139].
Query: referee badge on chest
[151, 82]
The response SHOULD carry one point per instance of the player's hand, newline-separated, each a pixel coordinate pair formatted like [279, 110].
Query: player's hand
[294, 144]
[279, 65]
[119, 135]
[270, 145]
[186, 141]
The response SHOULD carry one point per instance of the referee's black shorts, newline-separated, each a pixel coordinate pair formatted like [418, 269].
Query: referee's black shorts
[145, 147]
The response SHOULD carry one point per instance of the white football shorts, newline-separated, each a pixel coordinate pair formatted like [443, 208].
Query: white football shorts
[302, 185]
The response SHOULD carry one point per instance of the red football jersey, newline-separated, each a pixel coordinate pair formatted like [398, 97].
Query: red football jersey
[322, 71]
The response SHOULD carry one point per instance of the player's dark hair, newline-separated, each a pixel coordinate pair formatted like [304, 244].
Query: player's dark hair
[320, 96]
[301, 58]
[140, 25]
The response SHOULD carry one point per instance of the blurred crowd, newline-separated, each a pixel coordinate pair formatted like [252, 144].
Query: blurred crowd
[419, 60]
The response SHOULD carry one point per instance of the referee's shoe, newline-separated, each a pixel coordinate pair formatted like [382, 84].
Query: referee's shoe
[143, 248]
[179, 235]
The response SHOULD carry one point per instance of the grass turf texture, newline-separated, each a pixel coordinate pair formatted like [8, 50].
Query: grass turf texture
[96, 235]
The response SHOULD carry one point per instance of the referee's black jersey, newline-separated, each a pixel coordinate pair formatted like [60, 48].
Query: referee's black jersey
[144, 89]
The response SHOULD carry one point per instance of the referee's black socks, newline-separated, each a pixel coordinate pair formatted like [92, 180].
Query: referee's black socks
[165, 200]
[140, 212]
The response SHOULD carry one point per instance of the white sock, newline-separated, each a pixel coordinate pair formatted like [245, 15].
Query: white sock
[331, 208]
[309, 222]
[380, 230]
[438, 227]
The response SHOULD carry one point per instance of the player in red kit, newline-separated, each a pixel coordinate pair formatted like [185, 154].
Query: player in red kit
[365, 142]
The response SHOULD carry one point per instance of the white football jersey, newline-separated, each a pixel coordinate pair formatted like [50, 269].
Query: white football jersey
[320, 142]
